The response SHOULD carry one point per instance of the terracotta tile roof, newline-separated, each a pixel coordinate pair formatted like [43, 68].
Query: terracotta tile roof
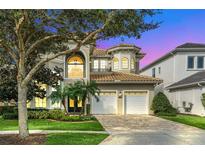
[117, 77]
[100, 53]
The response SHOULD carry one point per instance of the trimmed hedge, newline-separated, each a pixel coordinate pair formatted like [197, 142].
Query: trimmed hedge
[6, 109]
[10, 116]
[48, 114]
[161, 105]
[38, 114]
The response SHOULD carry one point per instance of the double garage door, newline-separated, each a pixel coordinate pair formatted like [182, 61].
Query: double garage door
[133, 102]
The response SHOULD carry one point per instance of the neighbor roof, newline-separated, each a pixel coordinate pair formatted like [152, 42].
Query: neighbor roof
[180, 48]
[194, 79]
[191, 45]
[116, 77]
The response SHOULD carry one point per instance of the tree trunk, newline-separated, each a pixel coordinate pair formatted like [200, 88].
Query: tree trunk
[84, 107]
[22, 111]
[63, 102]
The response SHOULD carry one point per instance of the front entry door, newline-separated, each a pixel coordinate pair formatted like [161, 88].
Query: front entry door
[74, 105]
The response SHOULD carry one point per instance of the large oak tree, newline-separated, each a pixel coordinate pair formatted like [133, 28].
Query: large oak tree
[43, 34]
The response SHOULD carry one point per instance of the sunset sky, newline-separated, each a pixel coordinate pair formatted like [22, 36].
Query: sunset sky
[178, 27]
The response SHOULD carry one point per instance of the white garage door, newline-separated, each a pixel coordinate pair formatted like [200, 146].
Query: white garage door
[136, 103]
[107, 103]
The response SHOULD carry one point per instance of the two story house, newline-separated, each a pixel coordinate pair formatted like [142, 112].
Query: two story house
[182, 71]
[115, 70]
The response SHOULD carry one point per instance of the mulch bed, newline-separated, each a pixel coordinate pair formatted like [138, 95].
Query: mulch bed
[33, 139]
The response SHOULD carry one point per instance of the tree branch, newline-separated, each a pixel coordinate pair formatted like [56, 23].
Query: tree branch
[38, 42]
[44, 60]
[9, 51]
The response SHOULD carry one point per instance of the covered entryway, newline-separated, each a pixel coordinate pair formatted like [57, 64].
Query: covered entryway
[107, 103]
[136, 102]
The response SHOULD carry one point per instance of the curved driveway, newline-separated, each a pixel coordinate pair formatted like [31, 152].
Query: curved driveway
[148, 130]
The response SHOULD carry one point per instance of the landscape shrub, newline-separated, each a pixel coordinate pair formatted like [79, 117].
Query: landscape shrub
[6, 109]
[56, 114]
[77, 118]
[37, 109]
[10, 116]
[38, 114]
[165, 114]
[161, 105]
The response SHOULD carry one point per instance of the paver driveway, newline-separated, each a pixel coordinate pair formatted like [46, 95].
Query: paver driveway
[148, 130]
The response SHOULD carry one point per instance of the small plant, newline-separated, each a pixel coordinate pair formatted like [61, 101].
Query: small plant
[10, 116]
[162, 105]
[203, 99]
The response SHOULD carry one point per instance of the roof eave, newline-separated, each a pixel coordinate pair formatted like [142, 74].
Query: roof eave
[184, 85]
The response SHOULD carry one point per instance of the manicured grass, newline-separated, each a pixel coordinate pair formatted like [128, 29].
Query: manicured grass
[191, 120]
[75, 139]
[52, 125]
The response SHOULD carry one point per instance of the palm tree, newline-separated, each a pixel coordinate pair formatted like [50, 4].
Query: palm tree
[59, 95]
[81, 91]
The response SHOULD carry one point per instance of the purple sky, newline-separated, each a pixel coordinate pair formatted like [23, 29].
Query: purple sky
[178, 27]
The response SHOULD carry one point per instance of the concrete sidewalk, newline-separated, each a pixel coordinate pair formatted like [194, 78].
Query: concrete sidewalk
[52, 131]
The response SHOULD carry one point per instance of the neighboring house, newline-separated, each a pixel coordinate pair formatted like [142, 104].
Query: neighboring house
[123, 90]
[187, 93]
[175, 67]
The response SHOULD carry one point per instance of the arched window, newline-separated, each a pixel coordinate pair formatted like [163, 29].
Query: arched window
[132, 63]
[125, 62]
[115, 63]
[75, 67]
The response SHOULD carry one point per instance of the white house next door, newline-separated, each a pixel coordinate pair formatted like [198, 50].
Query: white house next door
[107, 103]
[136, 102]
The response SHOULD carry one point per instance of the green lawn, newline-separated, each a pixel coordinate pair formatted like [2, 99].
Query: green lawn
[75, 139]
[191, 120]
[52, 125]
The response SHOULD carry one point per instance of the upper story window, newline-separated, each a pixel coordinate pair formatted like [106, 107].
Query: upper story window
[125, 62]
[115, 63]
[102, 64]
[132, 63]
[190, 62]
[75, 67]
[153, 72]
[200, 62]
[95, 64]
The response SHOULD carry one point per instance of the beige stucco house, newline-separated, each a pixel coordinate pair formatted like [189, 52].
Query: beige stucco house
[115, 70]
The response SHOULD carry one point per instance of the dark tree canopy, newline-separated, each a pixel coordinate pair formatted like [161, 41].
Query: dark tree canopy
[8, 82]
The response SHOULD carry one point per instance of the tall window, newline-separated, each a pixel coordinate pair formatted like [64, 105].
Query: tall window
[75, 67]
[115, 63]
[190, 62]
[153, 72]
[102, 64]
[41, 102]
[125, 62]
[200, 62]
[132, 63]
[95, 64]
